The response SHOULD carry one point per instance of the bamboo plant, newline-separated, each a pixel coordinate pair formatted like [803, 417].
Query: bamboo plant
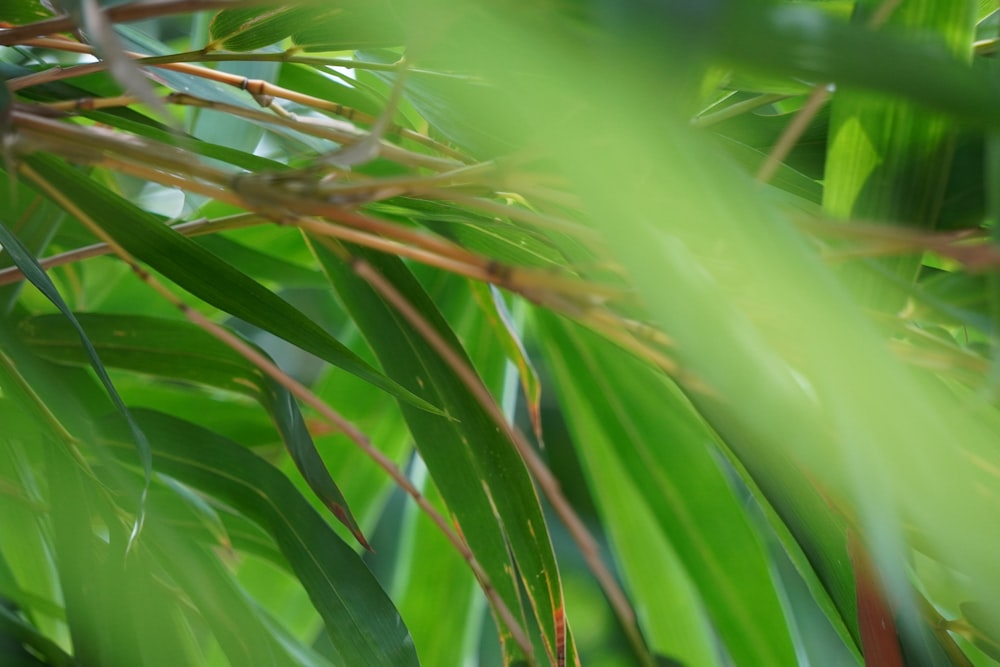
[445, 333]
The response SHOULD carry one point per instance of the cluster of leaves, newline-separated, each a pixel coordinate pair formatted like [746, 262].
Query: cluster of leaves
[276, 276]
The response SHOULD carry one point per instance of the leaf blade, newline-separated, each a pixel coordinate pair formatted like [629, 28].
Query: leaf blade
[179, 350]
[478, 471]
[204, 275]
[355, 609]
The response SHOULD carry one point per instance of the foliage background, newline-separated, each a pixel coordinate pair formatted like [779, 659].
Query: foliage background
[257, 255]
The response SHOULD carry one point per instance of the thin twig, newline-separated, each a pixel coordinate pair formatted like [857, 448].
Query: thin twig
[790, 136]
[262, 91]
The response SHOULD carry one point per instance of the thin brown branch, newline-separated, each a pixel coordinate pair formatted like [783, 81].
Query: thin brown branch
[969, 247]
[261, 90]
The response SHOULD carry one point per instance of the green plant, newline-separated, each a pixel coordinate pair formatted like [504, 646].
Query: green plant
[292, 265]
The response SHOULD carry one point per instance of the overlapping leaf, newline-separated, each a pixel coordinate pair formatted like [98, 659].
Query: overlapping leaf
[37, 276]
[176, 349]
[625, 419]
[481, 477]
[362, 621]
[204, 275]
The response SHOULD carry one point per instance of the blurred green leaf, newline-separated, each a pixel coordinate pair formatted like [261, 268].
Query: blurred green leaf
[25, 11]
[315, 26]
[619, 409]
[622, 136]
[36, 276]
[889, 161]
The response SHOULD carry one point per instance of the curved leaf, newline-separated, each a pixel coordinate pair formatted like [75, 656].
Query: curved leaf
[180, 350]
[360, 618]
[204, 275]
[37, 276]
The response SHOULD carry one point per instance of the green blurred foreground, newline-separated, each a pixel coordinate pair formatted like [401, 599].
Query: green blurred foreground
[278, 277]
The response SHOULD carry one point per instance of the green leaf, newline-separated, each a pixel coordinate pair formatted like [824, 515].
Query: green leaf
[622, 415]
[265, 266]
[252, 28]
[889, 160]
[316, 27]
[16, 636]
[183, 82]
[358, 615]
[453, 106]
[37, 276]
[25, 11]
[38, 220]
[320, 84]
[180, 350]
[204, 275]
[477, 469]
[506, 332]
[503, 240]
[429, 570]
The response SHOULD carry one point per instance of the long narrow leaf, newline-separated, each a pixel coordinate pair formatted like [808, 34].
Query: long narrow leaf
[358, 615]
[204, 275]
[477, 469]
[177, 349]
[625, 417]
[37, 276]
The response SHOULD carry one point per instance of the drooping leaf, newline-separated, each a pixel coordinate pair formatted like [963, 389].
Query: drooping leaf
[37, 276]
[177, 349]
[356, 612]
[204, 275]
